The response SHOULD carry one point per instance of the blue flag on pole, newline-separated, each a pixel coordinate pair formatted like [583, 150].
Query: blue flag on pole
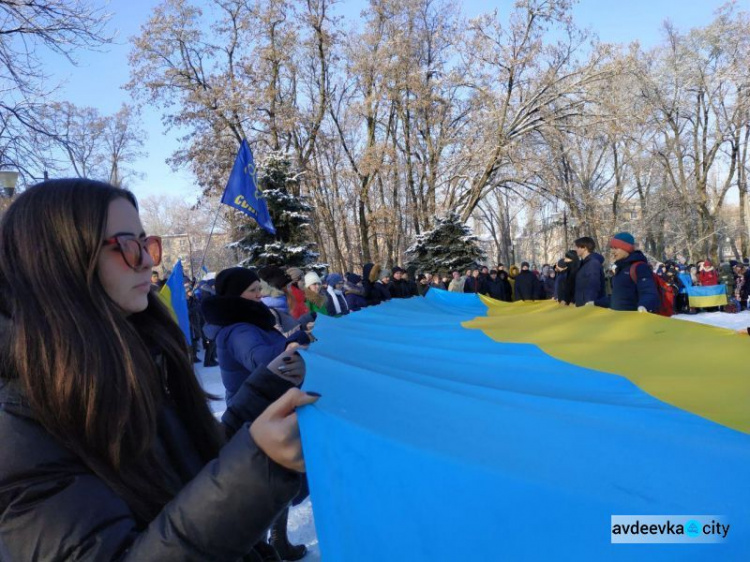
[173, 296]
[242, 191]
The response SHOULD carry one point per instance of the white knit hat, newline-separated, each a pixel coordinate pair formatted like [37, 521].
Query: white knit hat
[311, 278]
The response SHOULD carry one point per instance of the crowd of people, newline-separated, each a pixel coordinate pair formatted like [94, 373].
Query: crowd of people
[116, 454]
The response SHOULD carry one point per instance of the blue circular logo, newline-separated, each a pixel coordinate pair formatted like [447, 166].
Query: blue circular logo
[692, 528]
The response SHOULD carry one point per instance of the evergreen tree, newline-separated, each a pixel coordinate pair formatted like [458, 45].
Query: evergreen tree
[290, 215]
[447, 247]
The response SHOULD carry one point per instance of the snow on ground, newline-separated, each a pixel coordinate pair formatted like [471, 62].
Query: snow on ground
[739, 321]
[301, 521]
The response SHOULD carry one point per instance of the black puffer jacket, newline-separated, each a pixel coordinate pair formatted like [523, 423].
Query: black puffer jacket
[52, 507]
[527, 286]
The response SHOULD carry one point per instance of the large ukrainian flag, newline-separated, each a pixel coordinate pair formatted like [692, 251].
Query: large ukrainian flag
[450, 429]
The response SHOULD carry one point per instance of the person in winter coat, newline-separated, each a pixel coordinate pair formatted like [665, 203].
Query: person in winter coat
[642, 294]
[369, 276]
[513, 271]
[568, 288]
[412, 281]
[502, 275]
[589, 283]
[374, 293]
[354, 292]
[244, 328]
[437, 282]
[562, 272]
[295, 293]
[274, 283]
[495, 286]
[708, 275]
[527, 285]
[336, 301]
[726, 278]
[471, 283]
[316, 299]
[548, 283]
[380, 287]
[398, 286]
[111, 458]
[457, 283]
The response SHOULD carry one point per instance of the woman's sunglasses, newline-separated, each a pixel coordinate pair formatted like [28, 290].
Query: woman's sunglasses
[132, 249]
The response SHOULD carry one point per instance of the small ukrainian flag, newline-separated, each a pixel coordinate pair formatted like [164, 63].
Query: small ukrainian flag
[172, 294]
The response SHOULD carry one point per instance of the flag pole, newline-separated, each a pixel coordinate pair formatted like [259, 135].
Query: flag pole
[210, 234]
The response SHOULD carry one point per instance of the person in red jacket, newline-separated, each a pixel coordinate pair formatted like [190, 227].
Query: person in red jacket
[297, 306]
[708, 275]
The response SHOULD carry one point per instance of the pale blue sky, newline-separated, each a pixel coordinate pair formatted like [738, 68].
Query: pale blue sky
[97, 79]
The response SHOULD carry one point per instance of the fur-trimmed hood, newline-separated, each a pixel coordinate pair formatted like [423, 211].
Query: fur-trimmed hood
[374, 273]
[318, 299]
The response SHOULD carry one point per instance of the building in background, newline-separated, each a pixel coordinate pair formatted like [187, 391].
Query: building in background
[190, 250]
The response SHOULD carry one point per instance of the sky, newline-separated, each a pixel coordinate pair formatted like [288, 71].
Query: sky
[97, 79]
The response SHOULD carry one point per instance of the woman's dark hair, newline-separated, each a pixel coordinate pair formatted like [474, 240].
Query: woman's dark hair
[90, 372]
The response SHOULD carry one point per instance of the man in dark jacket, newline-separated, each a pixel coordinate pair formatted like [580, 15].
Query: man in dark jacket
[398, 287]
[380, 289]
[495, 287]
[471, 284]
[589, 286]
[633, 285]
[527, 284]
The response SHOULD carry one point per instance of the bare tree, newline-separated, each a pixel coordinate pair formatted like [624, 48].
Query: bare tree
[28, 28]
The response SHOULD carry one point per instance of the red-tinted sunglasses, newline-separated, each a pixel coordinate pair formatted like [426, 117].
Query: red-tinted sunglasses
[132, 249]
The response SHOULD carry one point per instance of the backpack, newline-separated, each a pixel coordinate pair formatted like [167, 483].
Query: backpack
[663, 289]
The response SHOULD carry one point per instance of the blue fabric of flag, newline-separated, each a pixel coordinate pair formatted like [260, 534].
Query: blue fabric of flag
[432, 442]
[242, 191]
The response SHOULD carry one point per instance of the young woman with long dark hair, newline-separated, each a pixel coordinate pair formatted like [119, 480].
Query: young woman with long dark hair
[109, 448]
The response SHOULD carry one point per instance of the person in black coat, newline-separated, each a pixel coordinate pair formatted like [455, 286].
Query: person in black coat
[633, 286]
[380, 290]
[495, 287]
[502, 275]
[589, 285]
[568, 286]
[527, 284]
[111, 458]
[471, 284]
[398, 287]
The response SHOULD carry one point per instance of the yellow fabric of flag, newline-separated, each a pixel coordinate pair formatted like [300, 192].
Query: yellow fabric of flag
[700, 369]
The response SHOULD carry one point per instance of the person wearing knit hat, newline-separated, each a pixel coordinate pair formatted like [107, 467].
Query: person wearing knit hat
[295, 273]
[234, 281]
[243, 329]
[354, 292]
[312, 278]
[337, 305]
[623, 241]
[315, 299]
[380, 292]
[633, 285]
